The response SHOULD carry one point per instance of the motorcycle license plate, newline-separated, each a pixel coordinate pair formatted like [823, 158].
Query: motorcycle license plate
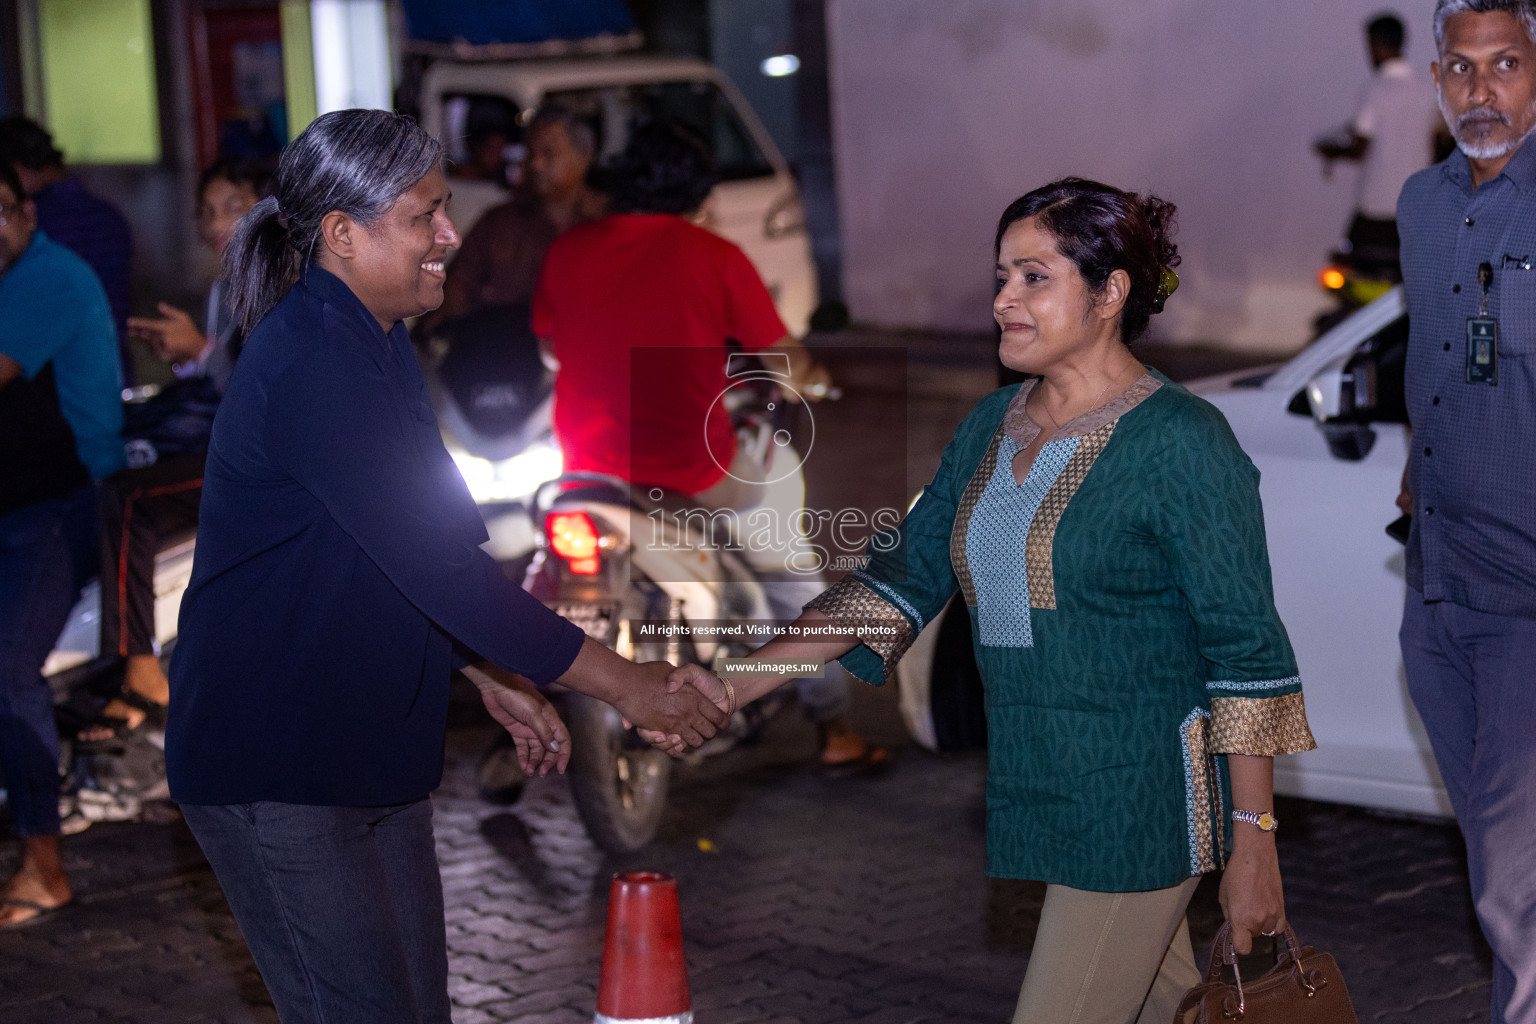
[598, 621]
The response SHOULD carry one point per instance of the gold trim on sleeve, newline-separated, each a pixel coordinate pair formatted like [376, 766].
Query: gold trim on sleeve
[1260, 726]
[850, 603]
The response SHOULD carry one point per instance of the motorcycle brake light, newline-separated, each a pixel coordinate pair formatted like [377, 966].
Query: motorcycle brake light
[1331, 278]
[573, 536]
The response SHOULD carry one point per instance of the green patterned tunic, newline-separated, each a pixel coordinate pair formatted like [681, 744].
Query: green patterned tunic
[1124, 623]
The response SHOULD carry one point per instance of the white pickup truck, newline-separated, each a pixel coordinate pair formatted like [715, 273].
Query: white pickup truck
[757, 203]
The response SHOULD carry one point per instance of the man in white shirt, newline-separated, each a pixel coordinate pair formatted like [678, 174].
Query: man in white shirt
[1390, 137]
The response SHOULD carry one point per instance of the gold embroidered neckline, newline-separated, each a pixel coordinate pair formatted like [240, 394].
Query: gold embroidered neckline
[1019, 426]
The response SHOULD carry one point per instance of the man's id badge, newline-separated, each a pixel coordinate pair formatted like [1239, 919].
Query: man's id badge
[1483, 337]
[1483, 350]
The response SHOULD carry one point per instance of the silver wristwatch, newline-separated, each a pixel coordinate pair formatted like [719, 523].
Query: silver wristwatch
[1265, 822]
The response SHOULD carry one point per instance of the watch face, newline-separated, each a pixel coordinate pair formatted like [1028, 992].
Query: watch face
[1267, 822]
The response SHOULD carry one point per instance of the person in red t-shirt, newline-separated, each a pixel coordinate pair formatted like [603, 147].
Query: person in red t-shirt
[637, 308]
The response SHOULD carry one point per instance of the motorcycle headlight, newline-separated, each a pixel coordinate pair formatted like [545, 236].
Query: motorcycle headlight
[509, 479]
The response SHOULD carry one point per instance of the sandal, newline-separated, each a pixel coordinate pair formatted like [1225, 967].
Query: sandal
[120, 728]
[871, 759]
[154, 711]
[42, 912]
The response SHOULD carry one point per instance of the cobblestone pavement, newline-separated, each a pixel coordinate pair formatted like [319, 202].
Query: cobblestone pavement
[807, 897]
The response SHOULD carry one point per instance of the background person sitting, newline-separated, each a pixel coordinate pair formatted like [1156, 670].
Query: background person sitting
[145, 504]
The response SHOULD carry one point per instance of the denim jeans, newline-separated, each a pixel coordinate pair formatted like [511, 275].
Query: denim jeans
[342, 907]
[47, 554]
[1469, 674]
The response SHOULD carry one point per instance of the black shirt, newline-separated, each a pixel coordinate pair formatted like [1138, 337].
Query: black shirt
[337, 560]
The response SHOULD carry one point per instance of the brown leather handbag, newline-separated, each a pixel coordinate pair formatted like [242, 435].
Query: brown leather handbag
[1304, 987]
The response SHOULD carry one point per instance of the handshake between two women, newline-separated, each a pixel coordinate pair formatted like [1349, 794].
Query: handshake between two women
[674, 709]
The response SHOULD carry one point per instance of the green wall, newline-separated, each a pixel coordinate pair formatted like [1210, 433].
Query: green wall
[98, 74]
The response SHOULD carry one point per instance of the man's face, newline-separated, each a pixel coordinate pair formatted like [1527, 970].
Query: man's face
[556, 168]
[1486, 82]
[17, 223]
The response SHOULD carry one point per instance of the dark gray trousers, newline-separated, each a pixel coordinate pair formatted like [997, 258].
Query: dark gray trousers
[342, 907]
[1472, 677]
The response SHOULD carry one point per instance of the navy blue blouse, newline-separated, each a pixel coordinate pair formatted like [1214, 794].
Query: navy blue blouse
[337, 562]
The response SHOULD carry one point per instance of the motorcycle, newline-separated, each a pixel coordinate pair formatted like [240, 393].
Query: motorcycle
[632, 566]
[649, 575]
[1355, 276]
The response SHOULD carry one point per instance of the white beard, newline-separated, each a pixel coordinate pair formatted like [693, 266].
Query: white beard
[1484, 150]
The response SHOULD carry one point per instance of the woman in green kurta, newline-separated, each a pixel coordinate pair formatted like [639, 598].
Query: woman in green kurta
[1104, 527]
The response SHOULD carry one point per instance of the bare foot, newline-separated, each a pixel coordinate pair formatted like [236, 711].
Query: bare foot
[40, 880]
[144, 676]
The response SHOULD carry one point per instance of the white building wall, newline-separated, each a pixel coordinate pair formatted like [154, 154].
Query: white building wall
[945, 110]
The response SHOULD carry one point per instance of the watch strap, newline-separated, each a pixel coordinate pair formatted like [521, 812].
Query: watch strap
[1264, 822]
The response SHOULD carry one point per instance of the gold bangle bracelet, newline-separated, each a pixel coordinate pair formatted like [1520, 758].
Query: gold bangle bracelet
[730, 696]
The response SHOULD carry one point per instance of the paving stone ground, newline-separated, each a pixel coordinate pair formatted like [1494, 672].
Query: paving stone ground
[816, 899]
[807, 898]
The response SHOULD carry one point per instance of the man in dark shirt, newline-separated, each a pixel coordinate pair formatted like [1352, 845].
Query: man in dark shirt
[75, 217]
[60, 413]
[1468, 230]
[499, 263]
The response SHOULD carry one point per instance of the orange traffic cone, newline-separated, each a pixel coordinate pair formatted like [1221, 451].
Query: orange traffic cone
[644, 977]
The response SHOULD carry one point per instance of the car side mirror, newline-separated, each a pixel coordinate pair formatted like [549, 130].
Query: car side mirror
[1343, 393]
[1340, 400]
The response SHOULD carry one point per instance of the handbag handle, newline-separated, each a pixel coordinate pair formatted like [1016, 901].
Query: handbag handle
[1224, 954]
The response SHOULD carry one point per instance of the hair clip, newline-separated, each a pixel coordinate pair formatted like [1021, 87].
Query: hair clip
[1167, 284]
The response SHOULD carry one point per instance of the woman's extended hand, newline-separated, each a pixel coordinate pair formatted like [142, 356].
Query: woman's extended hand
[538, 734]
[1251, 896]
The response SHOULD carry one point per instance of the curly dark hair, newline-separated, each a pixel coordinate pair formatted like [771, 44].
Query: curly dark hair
[1103, 229]
[667, 167]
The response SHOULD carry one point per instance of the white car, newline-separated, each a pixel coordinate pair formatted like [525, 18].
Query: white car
[757, 202]
[1329, 435]
[1328, 431]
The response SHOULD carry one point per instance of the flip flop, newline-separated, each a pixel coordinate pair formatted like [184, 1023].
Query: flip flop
[873, 759]
[43, 912]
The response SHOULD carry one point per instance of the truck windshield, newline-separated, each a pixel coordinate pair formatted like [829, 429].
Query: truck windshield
[612, 110]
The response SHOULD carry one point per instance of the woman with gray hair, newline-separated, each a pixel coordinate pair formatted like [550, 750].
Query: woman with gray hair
[337, 584]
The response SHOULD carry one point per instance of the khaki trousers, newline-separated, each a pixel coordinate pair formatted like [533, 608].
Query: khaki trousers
[1109, 957]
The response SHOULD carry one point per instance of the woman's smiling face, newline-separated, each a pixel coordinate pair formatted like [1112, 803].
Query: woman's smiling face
[1042, 304]
[396, 267]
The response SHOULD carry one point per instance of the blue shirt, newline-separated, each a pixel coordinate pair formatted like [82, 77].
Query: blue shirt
[1472, 462]
[52, 310]
[337, 563]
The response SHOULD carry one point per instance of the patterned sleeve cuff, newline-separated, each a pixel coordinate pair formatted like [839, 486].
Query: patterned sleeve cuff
[879, 625]
[1260, 726]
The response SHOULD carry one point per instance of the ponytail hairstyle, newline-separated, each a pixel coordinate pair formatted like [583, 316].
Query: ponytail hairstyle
[355, 161]
[1102, 229]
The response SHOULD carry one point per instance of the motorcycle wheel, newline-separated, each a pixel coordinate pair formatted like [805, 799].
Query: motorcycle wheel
[619, 783]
